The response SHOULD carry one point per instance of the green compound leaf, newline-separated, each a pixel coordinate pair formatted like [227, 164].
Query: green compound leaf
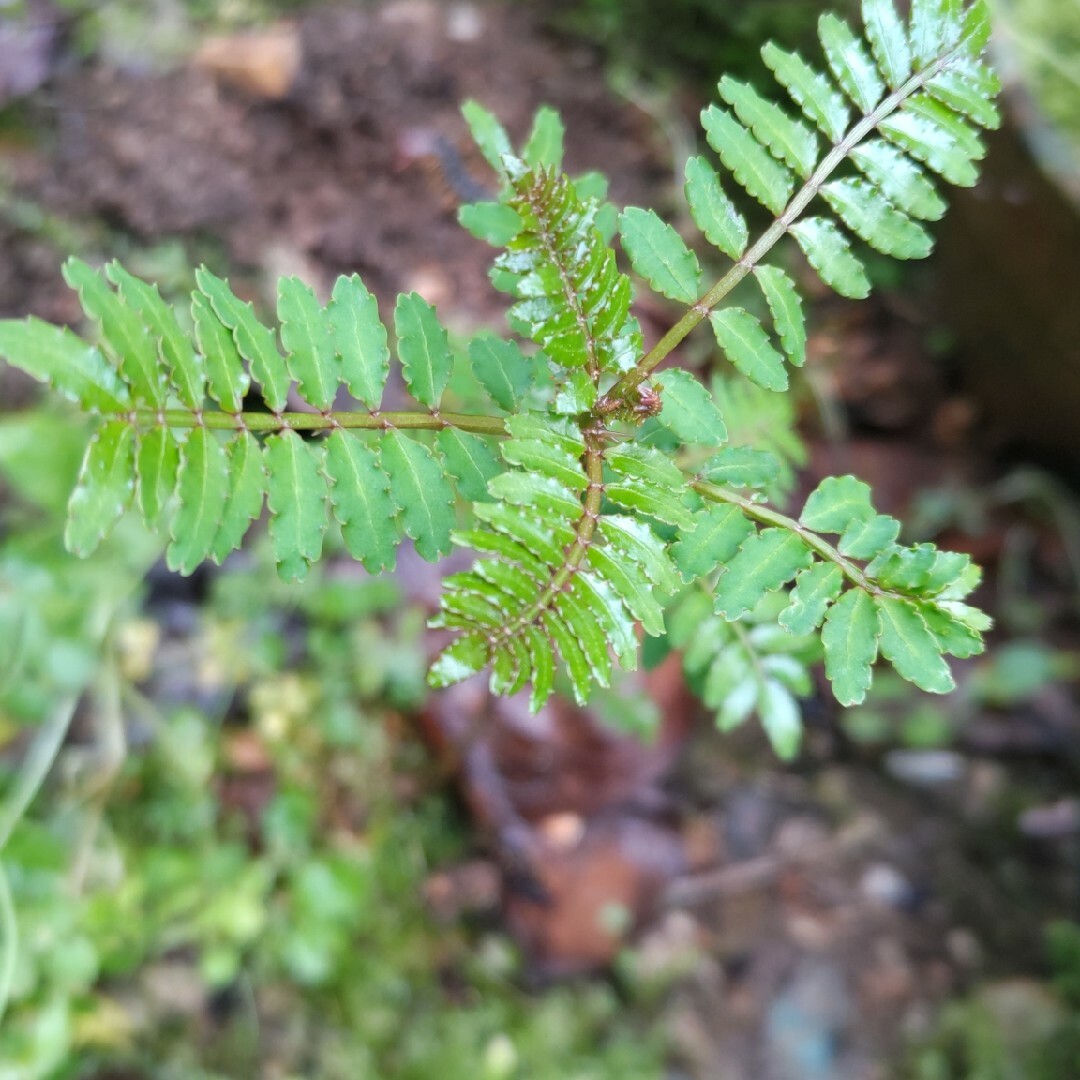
[469, 460]
[551, 448]
[977, 27]
[60, 358]
[122, 332]
[888, 41]
[488, 134]
[936, 25]
[254, 341]
[545, 143]
[666, 506]
[899, 179]
[228, 381]
[572, 299]
[658, 253]
[719, 532]
[359, 339]
[423, 349]
[360, 498]
[835, 503]
[533, 490]
[755, 169]
[492, 222]
[738, 704]
[305, 333]
[588, 633]
[766, 561]
[785, 305]
[815, 589]
[545, 540]
[747, 346]
[633, 587]
[850, 638]
[104, 488]
[954, 636]
[420, 490]
[542, 659]
[905, 568]
[501, 545]
[966, 95]
[648, 481]
[741, 466]
[202, 489]
[634, 541]
[781, 719]
[559, 582]
[925, 140]
[602, 599]
[713, 212]
[689, 411]
[186, 367]
[876, 221]
[247, 489]
[966, 138]
[467, 656]
[829, 253]
[509, 671]
[296, 495]
[575, 662]
[810, 90]
[157, 459]
[502, 369]
[865, 539]
[910, 645]
[577, 394]
[789, 141]
[850, 64]
[647, 464]
[952, 576]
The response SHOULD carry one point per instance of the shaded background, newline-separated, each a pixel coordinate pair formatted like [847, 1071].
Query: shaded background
[264, 850]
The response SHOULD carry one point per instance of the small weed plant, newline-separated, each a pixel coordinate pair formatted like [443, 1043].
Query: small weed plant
[604, 499]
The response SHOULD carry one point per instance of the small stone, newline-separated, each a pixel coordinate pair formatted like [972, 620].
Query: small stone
[464, 22]
[925, 768]
[1052, 821]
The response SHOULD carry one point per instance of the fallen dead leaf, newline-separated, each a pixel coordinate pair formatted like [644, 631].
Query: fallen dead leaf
[264, 63]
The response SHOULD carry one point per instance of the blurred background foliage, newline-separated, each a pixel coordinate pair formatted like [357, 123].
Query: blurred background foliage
[240, 810]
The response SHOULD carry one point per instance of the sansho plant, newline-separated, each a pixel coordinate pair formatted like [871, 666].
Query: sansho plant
[598, 498]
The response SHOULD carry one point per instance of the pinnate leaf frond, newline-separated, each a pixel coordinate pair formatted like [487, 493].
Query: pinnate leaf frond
[176, 443]
[919, 93]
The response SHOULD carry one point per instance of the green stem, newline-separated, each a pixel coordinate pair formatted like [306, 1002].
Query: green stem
[583, 534]
[297, 421]
[624, 389]
[767, 516]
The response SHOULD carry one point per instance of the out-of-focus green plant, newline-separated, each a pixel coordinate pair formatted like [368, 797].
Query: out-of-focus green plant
[1044, 39]
[296, 918]
[1019, 1029]
[690, 38]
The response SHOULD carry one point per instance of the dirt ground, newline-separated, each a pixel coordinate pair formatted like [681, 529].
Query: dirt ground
[816, 917]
